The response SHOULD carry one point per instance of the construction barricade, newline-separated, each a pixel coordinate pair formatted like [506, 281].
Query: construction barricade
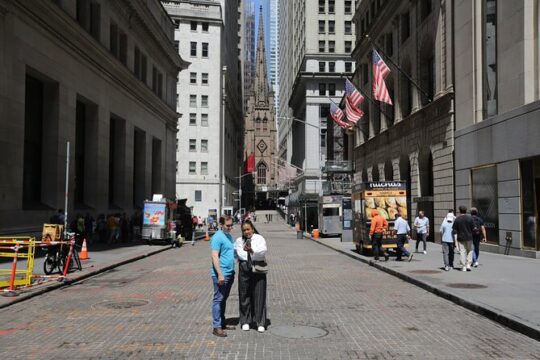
[17, 248]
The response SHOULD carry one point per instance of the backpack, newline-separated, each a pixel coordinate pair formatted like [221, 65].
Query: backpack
[477, 227]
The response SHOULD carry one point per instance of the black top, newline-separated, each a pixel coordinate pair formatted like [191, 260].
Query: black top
[463, 226]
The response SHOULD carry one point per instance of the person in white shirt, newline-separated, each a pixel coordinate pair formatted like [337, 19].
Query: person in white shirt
[402, 229]
[251, 285]
[421, 224]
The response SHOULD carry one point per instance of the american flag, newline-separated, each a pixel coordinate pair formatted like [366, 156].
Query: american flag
[353, 94]
[337, 115]
[380, 70]
[353, 113]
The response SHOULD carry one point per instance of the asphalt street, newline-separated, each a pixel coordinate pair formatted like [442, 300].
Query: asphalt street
[321, 305]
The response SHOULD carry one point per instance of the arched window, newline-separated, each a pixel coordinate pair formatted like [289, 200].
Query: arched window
[427, 71]
[258, 123]
[261, 173]
[375, 173]
[425, 168]
[388, 171]
[405, 90]
[265, 124]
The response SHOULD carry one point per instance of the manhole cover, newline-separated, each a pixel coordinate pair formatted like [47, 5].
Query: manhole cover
[466, 286]
[126, 304]
[424, 271]
[298, 331]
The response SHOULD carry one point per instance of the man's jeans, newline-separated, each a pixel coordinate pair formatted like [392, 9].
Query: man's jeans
[448, 253]
[401, 240]
[476, 248]
[221, 293]
[421, 237]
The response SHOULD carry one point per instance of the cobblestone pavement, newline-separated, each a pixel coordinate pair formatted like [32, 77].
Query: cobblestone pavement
[159, 308]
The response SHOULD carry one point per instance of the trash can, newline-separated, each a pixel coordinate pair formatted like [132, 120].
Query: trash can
[299, 234]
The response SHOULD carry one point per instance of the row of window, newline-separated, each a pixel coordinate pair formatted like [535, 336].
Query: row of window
[193, 49]
[332, 6]
[193, 145]
[203, 169]
[193, 78]
[332, 27]
[193, 101]
[332, 46]
[332, 66]
[331, 89]
[193, 119]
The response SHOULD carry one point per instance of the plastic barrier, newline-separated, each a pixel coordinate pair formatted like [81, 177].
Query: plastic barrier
[16, 248]
[315, 233]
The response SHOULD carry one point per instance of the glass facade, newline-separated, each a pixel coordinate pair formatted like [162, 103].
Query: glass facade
[485, 199]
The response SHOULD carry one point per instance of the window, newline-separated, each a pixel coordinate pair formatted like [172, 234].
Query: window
[176, 24]
[192, 145]
[192, 100]
[348, 66]
[490, 58]
[348, 28]
[204, 78]
[123, 48]
[332, 66]
[332, 89]
[204, 145]
[261, 173]
[192, 168]
[322, 26]
[193, 48]
[322, 89]
[192, 78]
[192, 119]
[198, 195]
[204, 120]
[348, 46]
[348, 7]
[322, 45]
[204, 101]
[425, 8]
[204, 168]
[389, 44]
[193, 26]
[204, 50]
[324, 111]
[331, 26]
[331, 6]
[205, 27]
[331, 46]
[265, 124]
[321, 6]
[405, 27]
[113, 39]
[322, 66]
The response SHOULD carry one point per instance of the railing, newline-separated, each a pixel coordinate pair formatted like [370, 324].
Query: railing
[337, 187]
[338, 166]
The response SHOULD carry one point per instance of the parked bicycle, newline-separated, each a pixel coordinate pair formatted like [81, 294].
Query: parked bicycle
[58, 255]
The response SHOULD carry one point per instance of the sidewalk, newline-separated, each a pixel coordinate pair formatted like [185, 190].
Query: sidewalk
[103, 257]
[505, 289]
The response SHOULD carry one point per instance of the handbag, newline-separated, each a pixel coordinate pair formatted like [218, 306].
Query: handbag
[260, 267]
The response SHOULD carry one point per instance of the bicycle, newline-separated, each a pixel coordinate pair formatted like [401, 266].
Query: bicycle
[58, 255]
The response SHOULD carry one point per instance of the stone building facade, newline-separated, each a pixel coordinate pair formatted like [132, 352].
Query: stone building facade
[413, 139]
[100, 75]
[497, 120]
[260, 133]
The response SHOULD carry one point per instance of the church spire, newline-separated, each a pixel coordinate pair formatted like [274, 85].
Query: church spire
[261, 89]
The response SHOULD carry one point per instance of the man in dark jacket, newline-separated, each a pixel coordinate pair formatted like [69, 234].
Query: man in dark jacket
[463, 227]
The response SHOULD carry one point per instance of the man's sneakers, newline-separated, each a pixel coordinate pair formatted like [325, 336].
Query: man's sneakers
[475, 264]
[245, 327]
[410, 257]
[463, 268]
[386, 257]
[447, 268]
[260, 329]
[219, 332]
[425, 252]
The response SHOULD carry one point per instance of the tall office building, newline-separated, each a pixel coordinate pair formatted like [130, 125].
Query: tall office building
[209, 145]
[95, 75]
[248, 48]
[315, 43]
[273, 74]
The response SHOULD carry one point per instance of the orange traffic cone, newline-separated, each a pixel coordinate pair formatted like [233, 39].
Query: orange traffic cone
[83, 255]
[206, 237]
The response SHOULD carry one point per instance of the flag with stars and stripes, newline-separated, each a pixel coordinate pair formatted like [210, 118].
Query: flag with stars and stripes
[380, 71]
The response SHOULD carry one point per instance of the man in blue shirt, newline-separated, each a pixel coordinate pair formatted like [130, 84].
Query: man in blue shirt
[222, 245]
[402, 229]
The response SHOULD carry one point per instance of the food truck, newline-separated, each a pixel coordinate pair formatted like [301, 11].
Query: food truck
[388, 198]
[158, 224]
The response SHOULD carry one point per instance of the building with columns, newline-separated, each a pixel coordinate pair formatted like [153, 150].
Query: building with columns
[413, 139]
[100, 75]
[260, 133]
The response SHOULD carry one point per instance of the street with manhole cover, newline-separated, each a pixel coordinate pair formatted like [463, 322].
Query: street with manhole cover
[321, 305]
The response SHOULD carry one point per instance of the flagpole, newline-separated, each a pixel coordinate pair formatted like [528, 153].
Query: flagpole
[398, 68]
[370, 100]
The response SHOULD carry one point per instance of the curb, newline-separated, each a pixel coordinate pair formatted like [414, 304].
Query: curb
[488, 312]
[76, 279]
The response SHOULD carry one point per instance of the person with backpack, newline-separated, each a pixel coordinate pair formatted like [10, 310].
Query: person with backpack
[479, 234]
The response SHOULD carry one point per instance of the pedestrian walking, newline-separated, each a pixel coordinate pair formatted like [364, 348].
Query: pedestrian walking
[402, 229]
[463, 226]
[378, 227]
[447, 236]
[251, 247]
[421, 224]
[222, 247]
[479, 234]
